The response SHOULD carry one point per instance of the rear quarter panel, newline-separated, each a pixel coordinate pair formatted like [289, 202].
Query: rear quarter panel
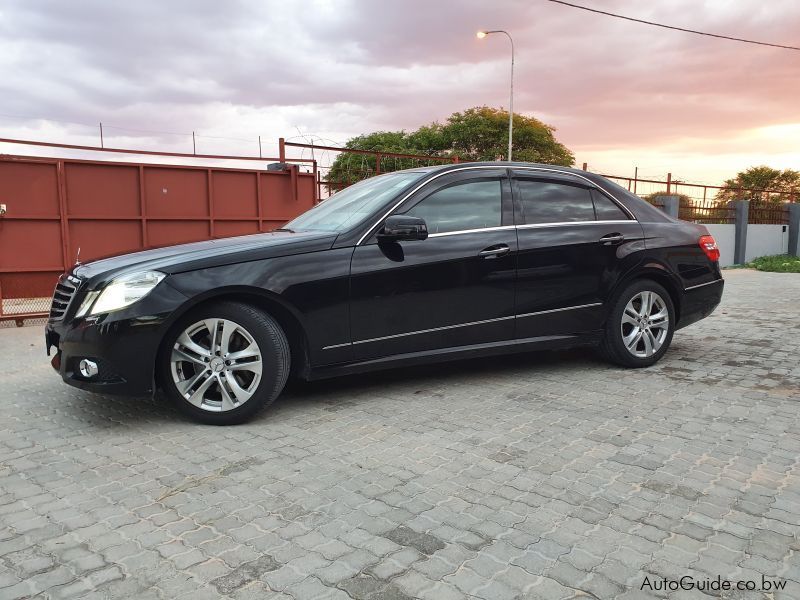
[674, 246]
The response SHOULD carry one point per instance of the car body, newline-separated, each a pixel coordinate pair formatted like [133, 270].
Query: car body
[516, 256]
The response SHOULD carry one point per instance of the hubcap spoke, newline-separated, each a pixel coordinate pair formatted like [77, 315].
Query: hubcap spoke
[631, 315]
[632, 340]
[629, 320]
[189, 344]
[197, 397]
[228, 401]
[250, 352]
[213, 333]
[238, 391]
[646, 303]
[188, 384]
[228, 329]
[253, 365]
[648, 340]
[180, 353]
[660, 319]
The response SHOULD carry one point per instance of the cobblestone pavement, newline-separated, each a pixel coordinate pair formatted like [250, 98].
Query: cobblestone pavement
[549, 475]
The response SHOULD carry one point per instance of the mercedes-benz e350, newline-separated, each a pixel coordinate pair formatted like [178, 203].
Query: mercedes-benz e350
[409, 267]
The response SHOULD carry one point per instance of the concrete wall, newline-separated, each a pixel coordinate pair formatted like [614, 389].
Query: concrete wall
[762, 240]
[766, 240]
[726, 239]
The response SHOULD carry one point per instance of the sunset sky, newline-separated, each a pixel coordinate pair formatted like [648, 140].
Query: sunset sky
[620, 94]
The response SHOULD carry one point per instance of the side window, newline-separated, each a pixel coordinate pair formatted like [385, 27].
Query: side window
[546, 202]
[606, 210]
[462, 206]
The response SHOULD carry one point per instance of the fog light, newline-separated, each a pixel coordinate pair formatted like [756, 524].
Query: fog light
[87, 368]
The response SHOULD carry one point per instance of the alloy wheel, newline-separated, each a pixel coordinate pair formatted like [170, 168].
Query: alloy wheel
[645, 324]
[216, 365]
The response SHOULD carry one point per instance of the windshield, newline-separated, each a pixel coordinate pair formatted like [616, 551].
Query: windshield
[354, 204]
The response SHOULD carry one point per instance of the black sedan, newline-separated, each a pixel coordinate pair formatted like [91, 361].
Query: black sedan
[409, 267]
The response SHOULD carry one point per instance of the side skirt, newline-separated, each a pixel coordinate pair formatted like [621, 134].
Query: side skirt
[550, 342]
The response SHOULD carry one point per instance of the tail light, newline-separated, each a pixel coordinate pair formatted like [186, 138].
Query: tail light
[709, 245]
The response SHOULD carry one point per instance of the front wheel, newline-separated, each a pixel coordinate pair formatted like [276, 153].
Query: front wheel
[224, 362]
[640, 325]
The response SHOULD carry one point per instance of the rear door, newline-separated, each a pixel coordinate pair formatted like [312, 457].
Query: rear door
[455, 288]
[574, 243]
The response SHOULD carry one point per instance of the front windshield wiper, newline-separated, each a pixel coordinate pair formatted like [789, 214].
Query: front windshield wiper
[285, 229]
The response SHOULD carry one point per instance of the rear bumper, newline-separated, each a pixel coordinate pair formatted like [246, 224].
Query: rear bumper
[700, 301]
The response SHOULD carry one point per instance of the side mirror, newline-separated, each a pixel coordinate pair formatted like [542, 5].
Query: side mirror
[402, 227]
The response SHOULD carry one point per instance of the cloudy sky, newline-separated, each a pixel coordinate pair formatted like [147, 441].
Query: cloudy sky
[620, 94]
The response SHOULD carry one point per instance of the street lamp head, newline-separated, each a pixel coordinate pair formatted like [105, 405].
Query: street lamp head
[482, 34]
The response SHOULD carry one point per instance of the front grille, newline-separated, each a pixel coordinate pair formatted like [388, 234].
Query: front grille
[65, 290]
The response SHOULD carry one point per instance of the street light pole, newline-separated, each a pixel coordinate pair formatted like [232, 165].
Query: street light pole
[481, 35]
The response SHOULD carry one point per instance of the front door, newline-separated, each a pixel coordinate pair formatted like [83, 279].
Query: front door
[455, 288]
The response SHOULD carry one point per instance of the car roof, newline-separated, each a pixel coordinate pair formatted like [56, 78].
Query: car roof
[494, 163]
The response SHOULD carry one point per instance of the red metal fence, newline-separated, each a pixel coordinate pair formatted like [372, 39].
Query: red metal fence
[707, 212]
[699, 191]
[54, 207]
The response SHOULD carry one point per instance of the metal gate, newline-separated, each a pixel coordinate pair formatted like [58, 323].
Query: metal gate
[55, 207]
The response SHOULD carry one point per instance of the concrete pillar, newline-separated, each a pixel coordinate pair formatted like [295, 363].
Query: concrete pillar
[740, 247]
[794, 229]
[671, 204]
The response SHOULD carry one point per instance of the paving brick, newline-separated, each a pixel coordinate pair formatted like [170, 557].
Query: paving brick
[516, 477]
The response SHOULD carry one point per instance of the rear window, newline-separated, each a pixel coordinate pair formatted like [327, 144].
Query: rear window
[605, 209]
[547, 202]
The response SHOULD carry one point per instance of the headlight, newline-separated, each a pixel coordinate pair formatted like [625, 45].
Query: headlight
[121, 292]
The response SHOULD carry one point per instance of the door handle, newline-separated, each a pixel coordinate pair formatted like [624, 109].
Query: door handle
[612, 239]
[494, 251]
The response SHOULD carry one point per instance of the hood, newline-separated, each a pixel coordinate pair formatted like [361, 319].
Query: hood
[211, 253]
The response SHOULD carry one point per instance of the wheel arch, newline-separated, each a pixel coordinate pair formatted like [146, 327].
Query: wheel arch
[287, 317]
[658, 273]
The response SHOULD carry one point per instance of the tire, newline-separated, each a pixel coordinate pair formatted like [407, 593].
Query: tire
[643, 338]
[224, 362]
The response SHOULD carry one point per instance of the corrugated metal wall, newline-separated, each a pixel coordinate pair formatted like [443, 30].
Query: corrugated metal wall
[55, 206]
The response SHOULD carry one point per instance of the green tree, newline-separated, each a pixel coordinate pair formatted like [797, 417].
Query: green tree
[753, 183]
[476, 134]
[683, 199]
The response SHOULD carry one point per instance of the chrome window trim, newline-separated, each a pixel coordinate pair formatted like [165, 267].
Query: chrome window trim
[699, 285]
[419, 187]
[591, 183]
[489, 167]
[445, 327]
[566, 223]
[481, 229]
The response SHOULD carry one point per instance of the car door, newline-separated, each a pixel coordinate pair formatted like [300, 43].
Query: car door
[455, 288]
[574, 243]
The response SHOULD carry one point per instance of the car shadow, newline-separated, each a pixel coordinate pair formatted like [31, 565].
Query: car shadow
[358, 388]
[105, 412]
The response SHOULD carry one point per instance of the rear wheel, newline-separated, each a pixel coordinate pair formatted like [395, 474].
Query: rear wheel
[640, 325]
[224, 362]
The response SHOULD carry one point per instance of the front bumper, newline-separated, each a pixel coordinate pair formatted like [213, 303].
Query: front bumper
[124, 344]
